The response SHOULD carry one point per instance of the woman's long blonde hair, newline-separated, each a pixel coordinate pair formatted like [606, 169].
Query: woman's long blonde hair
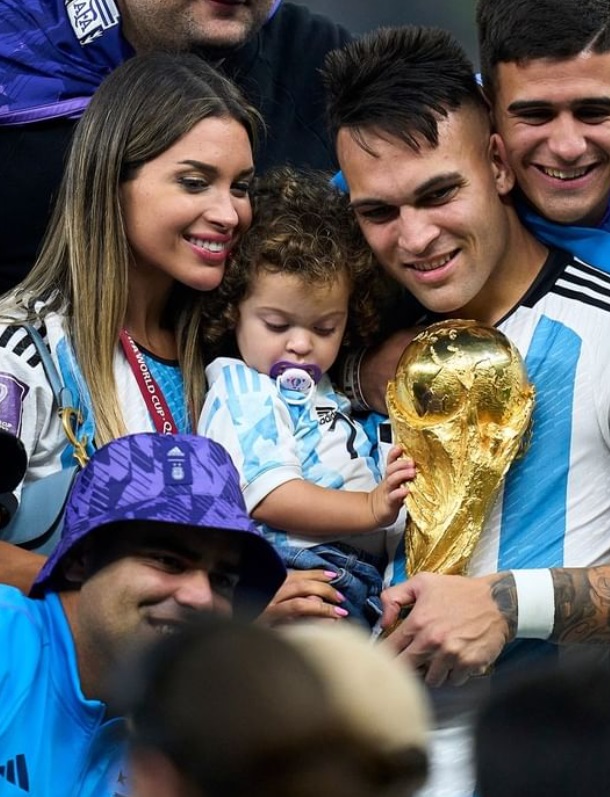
[139, 111]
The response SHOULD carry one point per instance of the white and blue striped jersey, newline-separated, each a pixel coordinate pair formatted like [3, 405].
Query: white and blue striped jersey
[555, 506]
[554, 509]
[272, 441]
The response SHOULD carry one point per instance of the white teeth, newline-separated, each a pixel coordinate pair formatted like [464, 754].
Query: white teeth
[211, 246]
[562, 174]
[165, 628]
[431, 265]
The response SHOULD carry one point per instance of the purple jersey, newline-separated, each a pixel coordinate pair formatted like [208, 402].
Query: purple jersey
[54, 54]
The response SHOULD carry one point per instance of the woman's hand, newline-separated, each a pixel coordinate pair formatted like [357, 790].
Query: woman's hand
[305, 594]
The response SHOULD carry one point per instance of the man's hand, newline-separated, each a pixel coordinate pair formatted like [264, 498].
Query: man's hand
[456, 627]
[306, 594]
[378, 366]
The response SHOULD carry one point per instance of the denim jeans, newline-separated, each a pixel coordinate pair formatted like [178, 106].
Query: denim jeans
[358, 578]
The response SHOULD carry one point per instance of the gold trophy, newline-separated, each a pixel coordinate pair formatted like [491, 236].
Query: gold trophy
[461, 407]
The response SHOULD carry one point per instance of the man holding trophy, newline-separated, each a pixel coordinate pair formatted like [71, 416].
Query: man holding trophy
[431, 189]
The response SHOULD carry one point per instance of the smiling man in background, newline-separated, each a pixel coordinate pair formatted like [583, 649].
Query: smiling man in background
[545, 66]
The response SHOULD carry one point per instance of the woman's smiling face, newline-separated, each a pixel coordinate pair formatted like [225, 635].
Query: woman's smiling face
[185, 210]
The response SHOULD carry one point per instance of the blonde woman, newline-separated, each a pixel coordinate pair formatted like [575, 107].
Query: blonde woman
[154, 197]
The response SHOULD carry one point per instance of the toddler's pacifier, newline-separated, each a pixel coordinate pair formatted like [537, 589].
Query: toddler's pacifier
[297, 378]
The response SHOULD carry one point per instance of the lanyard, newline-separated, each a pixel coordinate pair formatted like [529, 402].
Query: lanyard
[154, 399]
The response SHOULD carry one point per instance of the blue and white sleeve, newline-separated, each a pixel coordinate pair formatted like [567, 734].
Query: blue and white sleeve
[244, 414]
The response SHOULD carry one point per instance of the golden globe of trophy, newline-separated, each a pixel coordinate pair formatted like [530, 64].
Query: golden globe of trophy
[460, 406]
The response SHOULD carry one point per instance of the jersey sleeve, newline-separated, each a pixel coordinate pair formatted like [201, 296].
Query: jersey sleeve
[244, 414]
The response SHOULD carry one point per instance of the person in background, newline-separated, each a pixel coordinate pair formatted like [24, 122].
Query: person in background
[432, 193]
[225, 709]
[301, 282]
[55, 53]
[546, 732]
[156, 533]
[545, 67]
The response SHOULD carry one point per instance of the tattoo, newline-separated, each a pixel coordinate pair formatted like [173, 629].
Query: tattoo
[504, 593]
[582, 605]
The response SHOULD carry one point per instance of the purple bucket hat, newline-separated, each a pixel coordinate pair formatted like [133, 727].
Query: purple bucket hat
[180, 479]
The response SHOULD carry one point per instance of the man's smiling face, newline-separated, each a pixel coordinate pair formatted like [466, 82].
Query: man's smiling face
[147, 582]
[554, 119]
[434, 217]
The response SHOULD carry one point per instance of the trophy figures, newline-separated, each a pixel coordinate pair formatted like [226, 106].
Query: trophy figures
[460, 406]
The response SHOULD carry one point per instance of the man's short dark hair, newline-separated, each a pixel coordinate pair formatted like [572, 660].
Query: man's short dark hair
[399, 82]
[523, 30]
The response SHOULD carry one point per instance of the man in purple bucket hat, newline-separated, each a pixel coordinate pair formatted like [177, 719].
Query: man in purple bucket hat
[155, 532]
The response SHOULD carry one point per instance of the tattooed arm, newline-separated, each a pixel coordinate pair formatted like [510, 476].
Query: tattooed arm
[582, 605]
[456, 627]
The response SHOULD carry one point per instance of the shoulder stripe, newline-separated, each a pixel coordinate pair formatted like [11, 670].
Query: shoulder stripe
[23, 344]
[603, 277]
[16, 339]
[585, 288]
[578, 280]
[594, 279]
[592, 299]
[6, 336]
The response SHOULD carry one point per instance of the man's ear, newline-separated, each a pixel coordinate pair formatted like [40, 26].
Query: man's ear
[74, 567]
[503, 174]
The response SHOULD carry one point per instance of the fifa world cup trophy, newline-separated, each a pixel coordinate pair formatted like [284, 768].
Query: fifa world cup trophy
[460, 406]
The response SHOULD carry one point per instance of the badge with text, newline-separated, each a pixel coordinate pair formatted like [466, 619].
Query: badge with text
[90, 18]
[12, 395]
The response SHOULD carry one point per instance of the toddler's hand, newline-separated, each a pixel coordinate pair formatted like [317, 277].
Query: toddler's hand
[387, 498]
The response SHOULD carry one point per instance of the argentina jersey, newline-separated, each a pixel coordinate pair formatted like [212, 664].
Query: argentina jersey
[168, 376]
[554, 509]
[273, 441]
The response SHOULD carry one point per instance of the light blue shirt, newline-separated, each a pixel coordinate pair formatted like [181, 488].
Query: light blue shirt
[53, 741]
[591, 244]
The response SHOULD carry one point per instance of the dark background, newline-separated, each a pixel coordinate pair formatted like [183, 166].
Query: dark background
[359, 16]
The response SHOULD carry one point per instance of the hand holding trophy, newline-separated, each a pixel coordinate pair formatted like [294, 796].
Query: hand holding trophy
[460, 406]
